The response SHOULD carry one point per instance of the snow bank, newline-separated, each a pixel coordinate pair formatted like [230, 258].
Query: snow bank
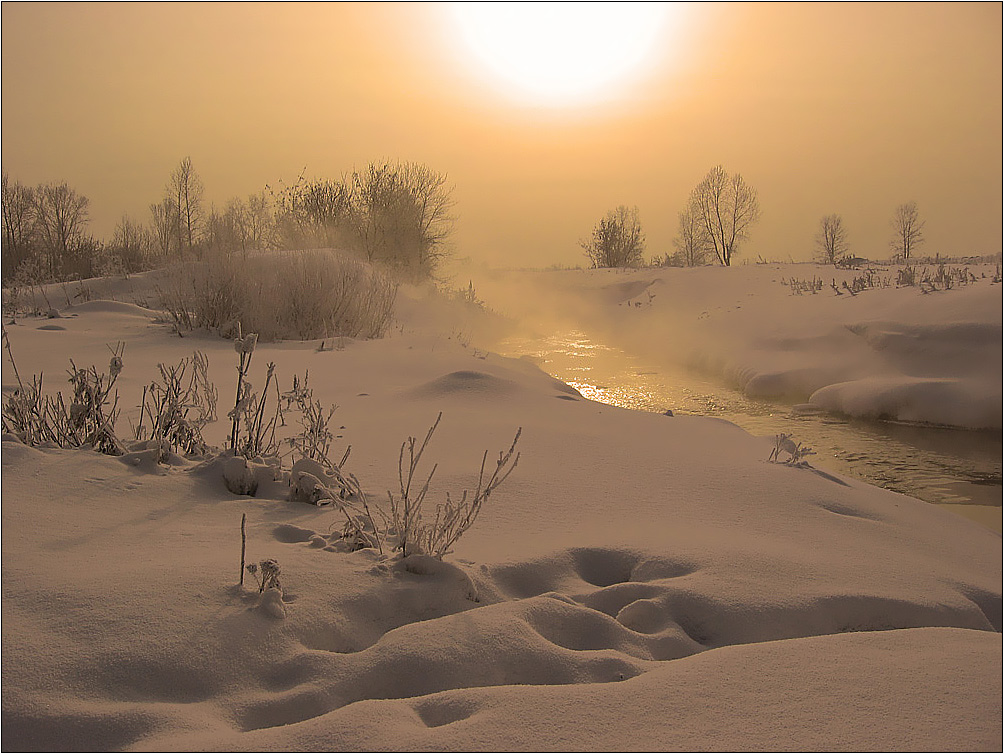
[957, 402]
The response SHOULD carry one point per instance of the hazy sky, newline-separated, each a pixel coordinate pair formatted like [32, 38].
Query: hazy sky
[846, 108]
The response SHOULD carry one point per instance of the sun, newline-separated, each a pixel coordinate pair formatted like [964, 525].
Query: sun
[561, 52]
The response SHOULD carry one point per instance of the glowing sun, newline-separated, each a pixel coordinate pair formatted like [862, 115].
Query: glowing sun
[559, 52]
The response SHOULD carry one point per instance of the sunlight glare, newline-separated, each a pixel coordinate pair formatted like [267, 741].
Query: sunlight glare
[561, 51]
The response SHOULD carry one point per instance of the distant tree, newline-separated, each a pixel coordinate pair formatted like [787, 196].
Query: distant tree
[163, 216]
[907, 228]
[396, 214]
[130, 246]
[18, 224]
[726, 206]
[61, 219]
[312, 214]
[260, 224]
[617, 239]
[692, 241]
[402, 216]
[227, 231]
[184, 190]
[831, 240]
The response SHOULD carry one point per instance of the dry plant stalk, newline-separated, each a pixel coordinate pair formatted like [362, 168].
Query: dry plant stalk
[406, 512]
[355, 529]
[257, 437]
[269, 570]
[314, 441]
[452, 519]
[783, 443]
[89, 420]
[244, 543]
[179, 406]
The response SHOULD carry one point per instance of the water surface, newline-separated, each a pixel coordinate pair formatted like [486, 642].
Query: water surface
[949, 467]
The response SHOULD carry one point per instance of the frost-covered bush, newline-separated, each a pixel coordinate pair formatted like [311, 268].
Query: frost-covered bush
[293, 295]
[175, 409]
[85, 419]
[314, 440]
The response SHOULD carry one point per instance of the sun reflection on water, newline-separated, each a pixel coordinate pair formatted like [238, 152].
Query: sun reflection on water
[936, 465]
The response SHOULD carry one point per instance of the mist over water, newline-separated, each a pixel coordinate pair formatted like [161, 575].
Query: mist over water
[568, 335]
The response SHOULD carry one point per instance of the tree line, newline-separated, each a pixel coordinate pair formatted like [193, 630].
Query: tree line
[716, 221]
[398, 215]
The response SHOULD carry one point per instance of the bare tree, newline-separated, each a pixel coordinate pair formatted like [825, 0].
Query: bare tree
[18, 224]
[130, 244]
[163, 215]
[692, 242]
[61, 218]
[617, 239]
[831, 239]
[727, 206]
[907, 228]
[185, 190]
[403, 215]
[260, 225]
[315, 213]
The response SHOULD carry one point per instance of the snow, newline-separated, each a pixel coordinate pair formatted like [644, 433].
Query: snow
[640, 582]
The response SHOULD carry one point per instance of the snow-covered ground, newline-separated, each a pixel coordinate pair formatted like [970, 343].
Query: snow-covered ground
[640, 582]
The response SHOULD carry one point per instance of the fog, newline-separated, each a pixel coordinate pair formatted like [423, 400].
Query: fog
[851, 108]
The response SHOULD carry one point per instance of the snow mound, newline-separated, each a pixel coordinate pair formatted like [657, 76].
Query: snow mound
[698, 702]
[956, 402]
[467, 384]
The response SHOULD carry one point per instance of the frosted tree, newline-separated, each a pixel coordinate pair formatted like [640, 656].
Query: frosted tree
[727, 206]
[692, 242]
[907, 230]
[617, 239]
[61, 216]
[831, 239]
[403, 215]
[162, 216]
[184, 191]
[18, 224]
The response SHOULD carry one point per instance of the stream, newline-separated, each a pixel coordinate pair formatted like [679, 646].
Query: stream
[959, 469]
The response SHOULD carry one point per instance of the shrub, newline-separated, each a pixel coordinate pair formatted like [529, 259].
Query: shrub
[314, 440]
[269, 570]
[88, 421]
[296, 295]
[906, 276]
[617, 240]
[179, 406]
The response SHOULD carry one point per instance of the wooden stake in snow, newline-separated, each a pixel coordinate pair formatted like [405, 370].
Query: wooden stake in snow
[244, 541]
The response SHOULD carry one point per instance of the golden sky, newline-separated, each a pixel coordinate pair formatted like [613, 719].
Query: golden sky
[824, 108]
